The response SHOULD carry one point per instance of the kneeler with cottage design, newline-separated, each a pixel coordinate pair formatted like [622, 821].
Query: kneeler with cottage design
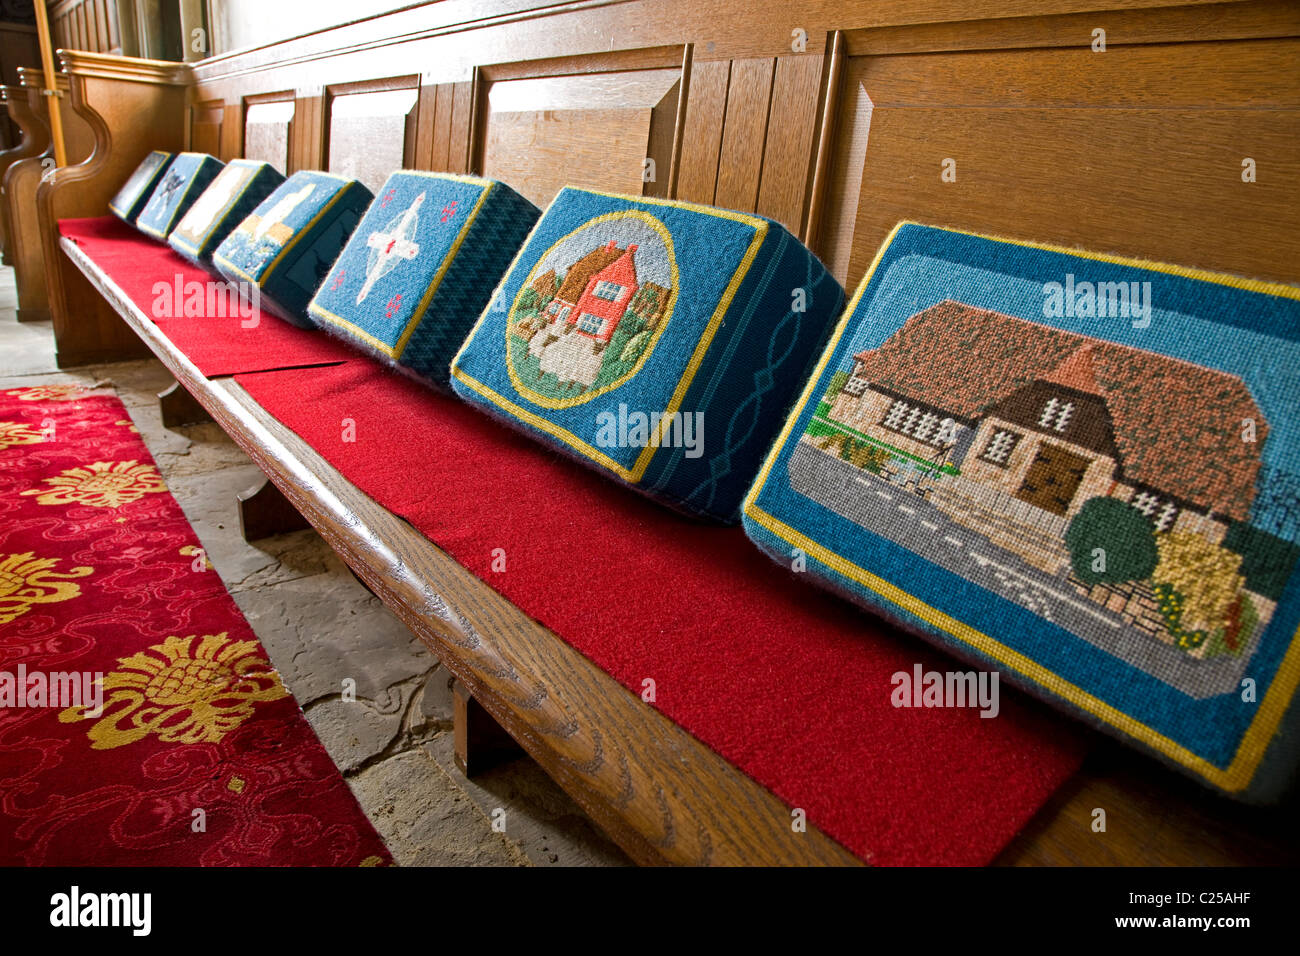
[420, 268]
[1078, 470]
[287, 244]
[660, 342]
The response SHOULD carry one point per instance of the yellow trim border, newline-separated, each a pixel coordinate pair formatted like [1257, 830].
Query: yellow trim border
[395, 351]
[230, 204]
[634, 474]
[666, 238]
[1240, 772]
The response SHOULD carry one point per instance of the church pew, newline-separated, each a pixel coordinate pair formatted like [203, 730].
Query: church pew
[34, 142]
[1001, 117]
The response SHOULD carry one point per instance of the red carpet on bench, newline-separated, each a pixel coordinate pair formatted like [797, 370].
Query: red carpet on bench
[218, 345]
[786, 682]
[200, 756]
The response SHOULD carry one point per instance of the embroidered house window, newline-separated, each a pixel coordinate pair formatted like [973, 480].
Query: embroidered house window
[916, 421]
[591, 324]
[609, 291]
[855, 386]
[1162, 511]
[1000, 447]
[1056, 414]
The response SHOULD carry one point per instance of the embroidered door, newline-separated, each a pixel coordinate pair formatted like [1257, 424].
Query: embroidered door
[1053, 478]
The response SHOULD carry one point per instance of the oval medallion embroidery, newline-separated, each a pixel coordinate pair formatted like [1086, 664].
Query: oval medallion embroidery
[592, 309]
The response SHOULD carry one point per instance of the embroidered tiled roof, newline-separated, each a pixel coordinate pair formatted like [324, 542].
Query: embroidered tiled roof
[1076, 372]
[575, 280]
[1177, 425]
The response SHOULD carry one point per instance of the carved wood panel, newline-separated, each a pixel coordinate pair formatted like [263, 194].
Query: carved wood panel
[205, 127]
[444, 124]
[1057, 143]
[750, 135]
[85, 25]
[600, 122]
[371, 128]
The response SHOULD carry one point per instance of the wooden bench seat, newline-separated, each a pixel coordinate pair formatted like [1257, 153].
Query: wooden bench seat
[731, 113]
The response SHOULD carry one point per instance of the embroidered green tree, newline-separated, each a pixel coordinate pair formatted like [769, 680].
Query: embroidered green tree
[1110, 541]
[530, 303]
[646, 303]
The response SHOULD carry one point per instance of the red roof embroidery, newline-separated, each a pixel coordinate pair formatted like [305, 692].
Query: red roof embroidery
[1177, 425]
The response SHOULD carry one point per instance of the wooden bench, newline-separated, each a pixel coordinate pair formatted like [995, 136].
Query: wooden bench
[1137, 150]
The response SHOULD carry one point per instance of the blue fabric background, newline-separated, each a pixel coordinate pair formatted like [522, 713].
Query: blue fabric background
[935, 264]
[748, 379]
[288, 288]
[490, 244]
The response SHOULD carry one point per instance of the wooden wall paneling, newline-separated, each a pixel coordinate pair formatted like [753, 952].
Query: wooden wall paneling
[114, 30]
[131, 106]
[830, 105]
[463, 123]
[268, 128]
[786, 177]
[409, 135]
[706, 108]
[440, 141]
[103, 43]
[744, 133]
[206, 121]
[232, 133]
[307, 131]
[369, 125]
[587, 121]
[751, 133]
[22, 180]
[1068, 146]
[426, 108]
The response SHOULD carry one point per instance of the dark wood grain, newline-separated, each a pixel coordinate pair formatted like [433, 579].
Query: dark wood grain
[34, 142]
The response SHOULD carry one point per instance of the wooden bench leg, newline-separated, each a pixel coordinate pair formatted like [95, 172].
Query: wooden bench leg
[264, 511]
[481, 743]
[179, 407]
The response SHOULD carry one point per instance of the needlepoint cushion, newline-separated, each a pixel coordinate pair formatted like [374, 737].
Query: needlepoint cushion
[236, 192]
[287, 244]
[1078, 470]
[660, 342]
[177, 190]
[421, 266]
[135, 192]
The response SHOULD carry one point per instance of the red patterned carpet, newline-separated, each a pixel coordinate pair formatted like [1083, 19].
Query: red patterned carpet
[199, 755]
